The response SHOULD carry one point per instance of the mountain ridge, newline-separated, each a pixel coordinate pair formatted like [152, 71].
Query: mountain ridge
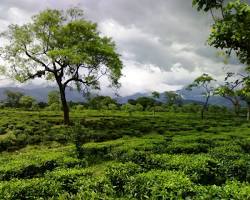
[41, 95]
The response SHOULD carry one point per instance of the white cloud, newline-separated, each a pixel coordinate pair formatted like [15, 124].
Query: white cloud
[162, 44]
[147, 78]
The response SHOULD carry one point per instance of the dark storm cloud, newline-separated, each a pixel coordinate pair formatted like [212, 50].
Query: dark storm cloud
[167, 34]
[172, 21]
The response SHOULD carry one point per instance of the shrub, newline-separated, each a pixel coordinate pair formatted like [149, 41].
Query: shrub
[119, 174]
[200, 168]
[94, 188]
[157, 184]
[37, 188]
[79, 107]
[54, 107]
[112, 106]
[2, 131]
[188, 148]
[67, 178]
[231, 190]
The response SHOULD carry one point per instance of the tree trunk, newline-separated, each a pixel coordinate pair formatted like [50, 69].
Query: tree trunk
[237, 109]
[205, 107]
[248, 111]
[202, 113]
[64, 105]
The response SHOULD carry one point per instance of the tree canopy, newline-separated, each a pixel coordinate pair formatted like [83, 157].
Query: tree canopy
[27, 102]
[100, 102]
[231, 28]
[61, 46]
[13, 98]
[172, 98]
[203, 82]
[230, 90]
[54, 97]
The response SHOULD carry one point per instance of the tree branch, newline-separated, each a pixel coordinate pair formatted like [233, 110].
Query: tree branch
[37, 60]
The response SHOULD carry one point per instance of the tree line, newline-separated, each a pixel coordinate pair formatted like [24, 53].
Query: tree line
[168, 101]
[62, 46]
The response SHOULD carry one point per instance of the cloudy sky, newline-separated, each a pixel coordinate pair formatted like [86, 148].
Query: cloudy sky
[162, 43]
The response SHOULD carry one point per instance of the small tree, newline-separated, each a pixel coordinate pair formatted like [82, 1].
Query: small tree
[54, 97]
[128, 108]
[244, 94]
[61, 46]
[172, 97]
[13, 98]
[155, 95]
[112, 106]
[27, 102]
[230, 94]
[138, 107]
[101, 102]
[231, 90]
[146, 102]
[203, 82]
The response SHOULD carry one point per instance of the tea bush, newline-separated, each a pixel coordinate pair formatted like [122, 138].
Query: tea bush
[111, 155]
[29, 189]
[119, 174]
[160, 185]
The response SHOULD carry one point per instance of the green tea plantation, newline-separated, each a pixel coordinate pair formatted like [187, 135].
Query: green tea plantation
[114, 155]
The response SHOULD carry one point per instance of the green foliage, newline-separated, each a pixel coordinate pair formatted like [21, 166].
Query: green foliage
[128, 107]
[29, 189]
[54, 107]
[230, 31]
[79, 107]
[112, 106]
[12, 98]
[145, 102]
[62, 46]
[82, 45]
[27, 102]
[156, 95]
[172, 98]
[170, 156]
[231, 190]
[101, 102]
[160, 185]
[203, 82]
[54, 98]
[200, 169]
[138, 107]
[236, 14]
[119, 174]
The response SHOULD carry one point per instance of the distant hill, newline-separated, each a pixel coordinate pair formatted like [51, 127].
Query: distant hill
[193, 96]
[196, 96]
[125, 99]
[41, 93]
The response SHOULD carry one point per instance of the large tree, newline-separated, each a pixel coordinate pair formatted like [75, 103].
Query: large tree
[61, 46]
[231, 28]
[203, 82]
